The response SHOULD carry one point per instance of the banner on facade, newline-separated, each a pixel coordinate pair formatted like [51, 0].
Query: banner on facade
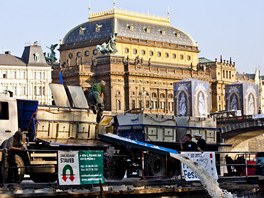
[205, 160]
[80, 167]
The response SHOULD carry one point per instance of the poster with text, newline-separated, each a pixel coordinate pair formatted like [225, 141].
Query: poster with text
[205, 160]
[80, 167]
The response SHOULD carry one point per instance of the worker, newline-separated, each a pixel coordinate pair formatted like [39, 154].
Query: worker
[14, 146]
[96, 99]
[201, 143]
[33, 127]
[188, 145]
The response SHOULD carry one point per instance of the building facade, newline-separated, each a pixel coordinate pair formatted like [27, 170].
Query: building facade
[27, 77]
[258, 80]
[151, 55]
[223, 72]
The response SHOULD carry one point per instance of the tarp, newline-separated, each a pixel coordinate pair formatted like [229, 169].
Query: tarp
[112, 138]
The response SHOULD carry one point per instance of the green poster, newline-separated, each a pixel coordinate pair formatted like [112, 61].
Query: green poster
[91, 167]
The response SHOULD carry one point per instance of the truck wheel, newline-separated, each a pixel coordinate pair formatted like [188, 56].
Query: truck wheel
[21, 168]
[114, 167]
[174, 167]
[155, 165]
[40, 174]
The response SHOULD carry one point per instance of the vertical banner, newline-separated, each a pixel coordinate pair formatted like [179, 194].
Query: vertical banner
[205, 160]
[80, 167]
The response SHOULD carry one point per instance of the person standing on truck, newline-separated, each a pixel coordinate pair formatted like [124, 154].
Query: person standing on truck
[201, 143]
[96, 99]
[14, 146]
[32, 127]
[188, 145]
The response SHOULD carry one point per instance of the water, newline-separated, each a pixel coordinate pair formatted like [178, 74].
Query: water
[209, 183]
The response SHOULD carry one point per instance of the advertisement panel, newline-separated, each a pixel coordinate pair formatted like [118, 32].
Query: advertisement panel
[205, 160]
[80, 167]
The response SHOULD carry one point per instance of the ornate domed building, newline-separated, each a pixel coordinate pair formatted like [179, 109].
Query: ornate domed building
[139, 56]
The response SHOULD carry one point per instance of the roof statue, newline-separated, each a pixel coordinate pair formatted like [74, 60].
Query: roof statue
[51, 57]
[109, 47]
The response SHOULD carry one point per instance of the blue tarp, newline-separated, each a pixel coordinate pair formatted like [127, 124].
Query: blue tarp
[112, 138]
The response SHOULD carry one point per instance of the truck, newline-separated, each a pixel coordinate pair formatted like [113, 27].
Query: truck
[70, 125]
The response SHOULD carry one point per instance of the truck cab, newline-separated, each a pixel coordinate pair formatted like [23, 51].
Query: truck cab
[8, 118]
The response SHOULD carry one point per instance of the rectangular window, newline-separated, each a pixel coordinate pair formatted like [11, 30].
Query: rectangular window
[154, 104]
[147, 104]
[140, 104]
[22, 75]
[170, 106]
[133, 104]
[4, 74]
[14, 89]
[4, 115]
[23, 91]
[162, 105]
[35, 90]
[13, 74]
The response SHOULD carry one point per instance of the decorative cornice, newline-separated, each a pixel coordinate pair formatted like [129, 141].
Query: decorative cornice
[129, 14]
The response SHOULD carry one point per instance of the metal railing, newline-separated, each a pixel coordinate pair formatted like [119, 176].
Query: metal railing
[236, 163]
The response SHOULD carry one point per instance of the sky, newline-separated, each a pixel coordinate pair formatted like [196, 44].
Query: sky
[231, 28]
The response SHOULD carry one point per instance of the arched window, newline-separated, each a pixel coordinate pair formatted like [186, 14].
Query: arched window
[118, 103]
[162, 95]
[170, 95]
[86, 53]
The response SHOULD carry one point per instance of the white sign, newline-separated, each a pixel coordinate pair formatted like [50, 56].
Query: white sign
[68, 168]
[80, 167]
[206, 160]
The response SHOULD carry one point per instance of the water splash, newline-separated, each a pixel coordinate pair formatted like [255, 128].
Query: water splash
[209, 183]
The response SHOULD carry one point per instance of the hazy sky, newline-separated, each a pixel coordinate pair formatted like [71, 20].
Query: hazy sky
[231, 28]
